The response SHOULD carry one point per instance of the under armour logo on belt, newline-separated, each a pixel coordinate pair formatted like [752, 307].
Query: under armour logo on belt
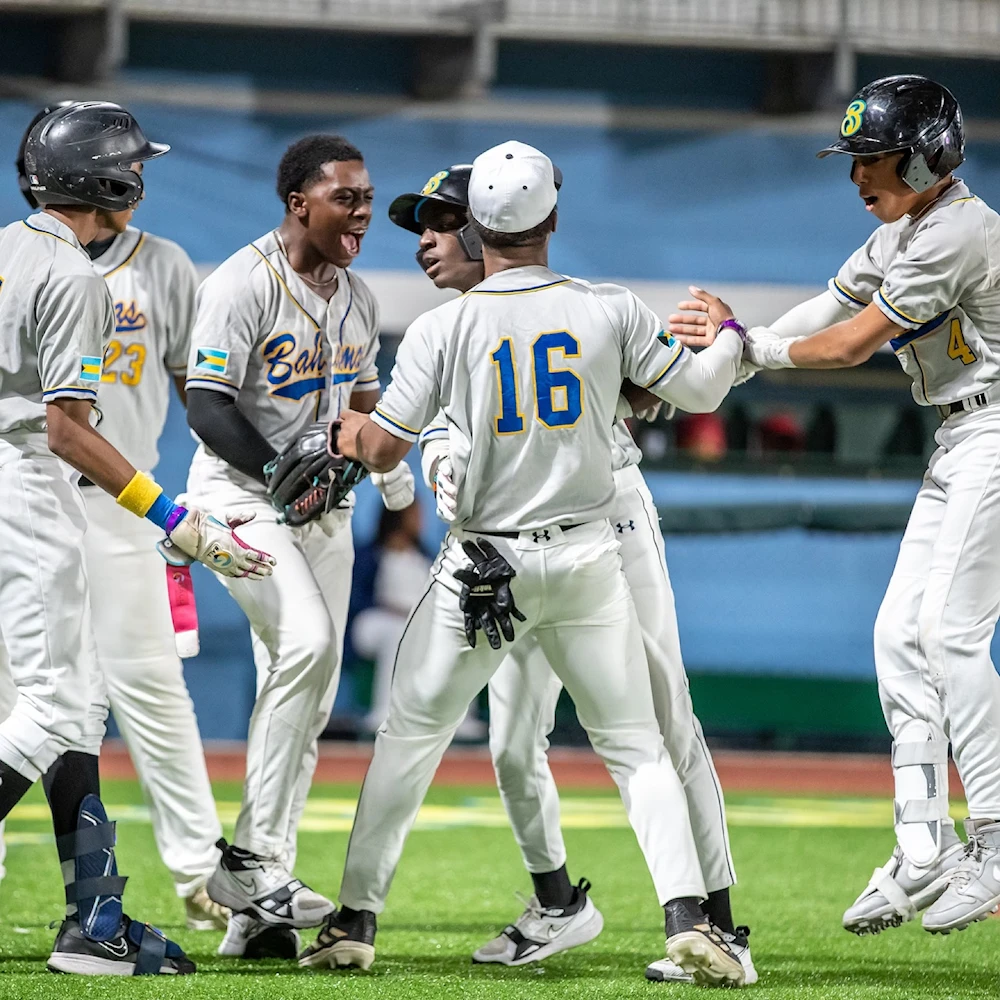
[625, 526]
[541, 536]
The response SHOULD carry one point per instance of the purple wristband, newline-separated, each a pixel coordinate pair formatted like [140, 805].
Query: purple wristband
[733, 324]
[176, 516]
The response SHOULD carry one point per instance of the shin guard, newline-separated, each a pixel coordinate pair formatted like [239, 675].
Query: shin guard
[920, 770]
[97, 887]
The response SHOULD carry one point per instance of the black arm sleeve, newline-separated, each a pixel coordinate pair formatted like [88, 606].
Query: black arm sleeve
[213, 416]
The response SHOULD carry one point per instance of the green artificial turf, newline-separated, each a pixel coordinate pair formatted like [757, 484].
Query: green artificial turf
[455, 889]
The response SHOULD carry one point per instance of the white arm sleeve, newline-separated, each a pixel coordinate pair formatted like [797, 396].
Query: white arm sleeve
[811, 316]
[699, 383]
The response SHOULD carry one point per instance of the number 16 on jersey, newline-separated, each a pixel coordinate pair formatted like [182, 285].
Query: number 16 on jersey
[558, 391]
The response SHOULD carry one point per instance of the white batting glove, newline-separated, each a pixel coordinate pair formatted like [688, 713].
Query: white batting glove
[396, 486]
[199, 536]
[445, 490]
[765, 349]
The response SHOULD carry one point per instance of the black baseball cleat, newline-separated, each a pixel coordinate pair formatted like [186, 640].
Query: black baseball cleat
[698, 948]
[136, 950]
[346, 939]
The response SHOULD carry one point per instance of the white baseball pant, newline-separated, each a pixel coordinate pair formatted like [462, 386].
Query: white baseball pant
[571, 588]
[933, 633]
[145, 682]
[524, 692]
[297, 618]
[45, 611]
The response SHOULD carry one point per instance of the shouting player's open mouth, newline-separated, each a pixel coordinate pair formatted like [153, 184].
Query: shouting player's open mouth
[351, 242]
[870, 201]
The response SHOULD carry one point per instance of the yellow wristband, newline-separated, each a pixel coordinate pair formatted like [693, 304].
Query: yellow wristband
[140, 494]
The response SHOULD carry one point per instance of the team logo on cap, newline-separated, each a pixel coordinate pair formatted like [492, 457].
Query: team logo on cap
[852, 118]
[434, 183]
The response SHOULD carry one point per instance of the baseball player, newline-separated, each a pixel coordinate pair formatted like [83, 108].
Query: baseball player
[927, 283]
[524, 691]
[285, 335]
[527, 367]
[83, 166]
[152, 284]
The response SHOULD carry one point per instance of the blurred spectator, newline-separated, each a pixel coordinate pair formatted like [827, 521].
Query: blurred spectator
[781, 432]
[392, 573]
[702, 436]
[821, 437]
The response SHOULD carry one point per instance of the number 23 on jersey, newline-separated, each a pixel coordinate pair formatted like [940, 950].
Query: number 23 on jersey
[558, 391]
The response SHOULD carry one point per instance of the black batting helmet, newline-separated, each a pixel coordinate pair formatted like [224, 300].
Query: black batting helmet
[448, 187]
[22, 180]
[905, 114]
[82, 154]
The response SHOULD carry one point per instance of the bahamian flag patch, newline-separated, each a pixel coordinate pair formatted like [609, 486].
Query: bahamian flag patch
[212, 359]
[90, 369]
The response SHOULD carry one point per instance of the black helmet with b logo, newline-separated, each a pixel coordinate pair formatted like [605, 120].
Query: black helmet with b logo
[910, 115]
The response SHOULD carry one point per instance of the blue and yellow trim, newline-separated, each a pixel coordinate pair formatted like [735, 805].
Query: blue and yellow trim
[517, 291]
[69, 390]
[670, 364]
[898, 343]
[880, 296]
[849, 295]
[45, 232]
[395, 423]
[433, 432]
[305, 312]
[128, 260]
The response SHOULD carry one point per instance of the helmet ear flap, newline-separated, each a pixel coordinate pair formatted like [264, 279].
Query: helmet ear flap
[470, 241]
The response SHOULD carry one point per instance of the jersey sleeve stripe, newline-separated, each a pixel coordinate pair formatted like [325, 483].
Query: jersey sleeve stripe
[394, 427]
[838, 287]
[68, 391]
[433, 432]
[898, 343]
[881, 300]
[215, 384]
[367, 383]
[670, 364]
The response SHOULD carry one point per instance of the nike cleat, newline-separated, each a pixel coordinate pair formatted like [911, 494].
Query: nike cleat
[247, 937]
[136, 950]
[541, 932]
[972, 888]
[263, 888]
[698, 948]
[899, 890]
[665, 971]
[346, 940]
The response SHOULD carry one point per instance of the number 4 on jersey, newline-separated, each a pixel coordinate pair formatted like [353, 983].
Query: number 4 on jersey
[558, 391]
[958, 349]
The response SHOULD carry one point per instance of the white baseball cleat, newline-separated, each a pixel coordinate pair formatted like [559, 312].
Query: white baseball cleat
[264, 888]
[541, 932]
[247, 937]
[899, 890]
[666, 971]
[203, 913]
[971, 890]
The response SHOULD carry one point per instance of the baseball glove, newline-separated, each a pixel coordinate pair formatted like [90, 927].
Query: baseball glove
[486, 600]
[309, 479]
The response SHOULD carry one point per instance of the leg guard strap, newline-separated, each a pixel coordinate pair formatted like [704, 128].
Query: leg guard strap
[923, 752]
[152, 948]
[85, 840]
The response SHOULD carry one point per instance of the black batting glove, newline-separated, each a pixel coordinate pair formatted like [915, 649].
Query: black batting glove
[486, 600]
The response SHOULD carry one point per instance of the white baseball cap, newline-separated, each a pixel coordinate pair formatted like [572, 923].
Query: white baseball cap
[512, 188]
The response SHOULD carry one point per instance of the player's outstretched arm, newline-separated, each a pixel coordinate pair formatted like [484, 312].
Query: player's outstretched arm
[843, 345]
[194, 532]
[691, 325]
[364, 441]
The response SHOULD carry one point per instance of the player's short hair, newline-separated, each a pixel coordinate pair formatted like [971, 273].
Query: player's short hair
[304, 159]
[495, 240]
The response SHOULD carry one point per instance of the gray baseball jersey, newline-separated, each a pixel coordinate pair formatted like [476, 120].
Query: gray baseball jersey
[286, 355]
[152, 283]
[938, 277]
[527, 367]
[56, 317]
